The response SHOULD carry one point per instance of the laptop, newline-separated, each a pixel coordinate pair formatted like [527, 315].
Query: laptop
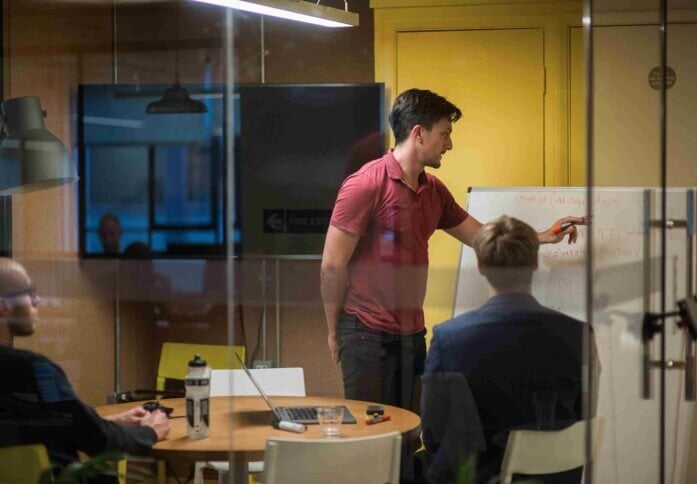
[300, 414]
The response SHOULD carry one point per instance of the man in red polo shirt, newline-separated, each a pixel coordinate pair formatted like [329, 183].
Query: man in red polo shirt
[375, 259]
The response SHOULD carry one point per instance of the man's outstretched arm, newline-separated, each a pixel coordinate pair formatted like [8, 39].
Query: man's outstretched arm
[467, 230]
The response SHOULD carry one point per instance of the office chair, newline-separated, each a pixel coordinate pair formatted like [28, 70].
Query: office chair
[547, 451]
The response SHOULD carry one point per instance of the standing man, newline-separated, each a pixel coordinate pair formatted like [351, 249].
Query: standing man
[375, 259]
[38, 404]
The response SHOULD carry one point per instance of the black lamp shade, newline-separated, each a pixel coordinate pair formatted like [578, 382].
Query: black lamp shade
[176, 100]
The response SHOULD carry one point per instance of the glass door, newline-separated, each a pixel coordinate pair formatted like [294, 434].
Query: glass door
[641, 252]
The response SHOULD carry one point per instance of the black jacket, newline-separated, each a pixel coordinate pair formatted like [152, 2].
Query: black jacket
[38, 405]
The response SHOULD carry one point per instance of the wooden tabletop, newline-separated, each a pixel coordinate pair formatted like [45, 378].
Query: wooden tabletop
[243, 424]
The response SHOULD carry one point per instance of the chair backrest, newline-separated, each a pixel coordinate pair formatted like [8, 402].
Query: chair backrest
[281, 382]
[368, 460]
[548, 451]
[23, 464]
[175, 357]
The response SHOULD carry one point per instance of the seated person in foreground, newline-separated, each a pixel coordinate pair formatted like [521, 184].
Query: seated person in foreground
[38, 404]
[519, 363]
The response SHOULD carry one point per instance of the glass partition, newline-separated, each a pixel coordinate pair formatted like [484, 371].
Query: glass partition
[249, 193]
[210, 144]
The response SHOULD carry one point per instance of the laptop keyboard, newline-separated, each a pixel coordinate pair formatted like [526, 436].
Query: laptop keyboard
[301, 413]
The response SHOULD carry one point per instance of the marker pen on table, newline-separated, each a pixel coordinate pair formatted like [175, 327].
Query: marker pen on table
[377, 419]
[298, 428]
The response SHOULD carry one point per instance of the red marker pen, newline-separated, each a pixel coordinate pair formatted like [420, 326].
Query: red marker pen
[377, 419]
[559, 228]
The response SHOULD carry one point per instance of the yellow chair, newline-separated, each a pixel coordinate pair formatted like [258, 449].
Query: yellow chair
[23, 464]
[121, 469]
[175, 357]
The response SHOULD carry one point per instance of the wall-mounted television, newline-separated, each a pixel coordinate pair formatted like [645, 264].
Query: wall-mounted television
[161, 176]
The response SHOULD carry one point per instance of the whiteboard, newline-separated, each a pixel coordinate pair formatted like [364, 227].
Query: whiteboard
[629, 449]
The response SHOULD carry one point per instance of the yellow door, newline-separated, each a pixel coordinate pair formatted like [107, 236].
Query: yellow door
[626, 124]
[496, 77]
[577, 109]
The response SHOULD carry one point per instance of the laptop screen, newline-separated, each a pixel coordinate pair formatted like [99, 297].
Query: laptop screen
[255, 382]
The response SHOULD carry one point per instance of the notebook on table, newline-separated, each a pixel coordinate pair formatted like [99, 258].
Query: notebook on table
[299, 414]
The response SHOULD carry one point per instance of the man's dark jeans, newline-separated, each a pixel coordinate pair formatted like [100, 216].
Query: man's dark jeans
[378, 366]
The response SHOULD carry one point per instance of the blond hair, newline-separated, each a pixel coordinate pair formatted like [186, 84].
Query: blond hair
[506, 251]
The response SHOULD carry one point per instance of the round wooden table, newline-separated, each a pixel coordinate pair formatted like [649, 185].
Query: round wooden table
[240, 426]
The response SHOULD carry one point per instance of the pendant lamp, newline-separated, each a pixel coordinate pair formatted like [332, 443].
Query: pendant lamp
[175, 99]
[31, 157]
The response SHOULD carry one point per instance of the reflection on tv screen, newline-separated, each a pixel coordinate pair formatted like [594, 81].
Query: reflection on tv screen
[153, 185]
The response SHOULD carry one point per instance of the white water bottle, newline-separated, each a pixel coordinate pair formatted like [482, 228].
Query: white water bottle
[198, 390]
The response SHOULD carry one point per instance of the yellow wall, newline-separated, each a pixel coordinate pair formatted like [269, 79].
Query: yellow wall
[553, 21]
[500, 139]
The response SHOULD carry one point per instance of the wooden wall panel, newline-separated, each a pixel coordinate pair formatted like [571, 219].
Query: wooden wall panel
[49, 50]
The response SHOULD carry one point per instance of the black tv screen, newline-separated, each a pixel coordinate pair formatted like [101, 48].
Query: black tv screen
[161, 176]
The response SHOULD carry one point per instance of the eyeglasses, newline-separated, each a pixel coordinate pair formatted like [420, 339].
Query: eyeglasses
[29, 291]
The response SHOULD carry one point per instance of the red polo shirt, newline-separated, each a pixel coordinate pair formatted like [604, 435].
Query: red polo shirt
[389, 268]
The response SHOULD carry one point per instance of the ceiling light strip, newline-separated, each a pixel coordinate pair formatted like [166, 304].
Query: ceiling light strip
[296, 10]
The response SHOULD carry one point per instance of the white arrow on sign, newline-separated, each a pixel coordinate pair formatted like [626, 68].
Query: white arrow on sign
[275, 222]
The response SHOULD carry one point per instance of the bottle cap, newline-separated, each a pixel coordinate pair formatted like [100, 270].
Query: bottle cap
[197, 362]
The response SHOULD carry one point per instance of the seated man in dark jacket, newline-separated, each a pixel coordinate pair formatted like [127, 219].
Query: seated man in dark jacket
[38, 404]
[520, 362]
